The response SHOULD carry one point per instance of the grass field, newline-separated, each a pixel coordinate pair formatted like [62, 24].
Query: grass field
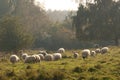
[100, 67]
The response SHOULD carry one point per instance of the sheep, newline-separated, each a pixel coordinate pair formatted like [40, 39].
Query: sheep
[14, 59]
[85, 53]
[75, 54]
[92, 53]
[49, 57]
[43, 52]
[30, 59]
[104, 50]
[41, 56]
[98, 50]
[57, 56]
[24, 55]
[61, 50]
[37, 58]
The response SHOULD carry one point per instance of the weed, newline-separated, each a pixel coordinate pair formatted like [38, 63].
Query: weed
[98, 66]
[91, 69]
[58, 75]
[28, 67]
[81, 78]
[78, 69]
[10, 73]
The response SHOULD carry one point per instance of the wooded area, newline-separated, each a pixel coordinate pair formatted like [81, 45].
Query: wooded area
[98, 21]
[24, 25]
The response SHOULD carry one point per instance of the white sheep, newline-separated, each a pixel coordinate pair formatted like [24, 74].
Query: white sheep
[43, 52]
[14, 58]
[61, 50]
[37, 58]
[24, 55]
[30, 59]
[104, 50]
[75, 54]
[57, 56]
[41, 56]
[49, 57]
[98, 50]
[85, 53]
[93, 53]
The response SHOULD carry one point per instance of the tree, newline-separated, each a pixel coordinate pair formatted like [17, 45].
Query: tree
[13, 35]
[98, 21]
[114, 21]
[31, 15]
[4, 7]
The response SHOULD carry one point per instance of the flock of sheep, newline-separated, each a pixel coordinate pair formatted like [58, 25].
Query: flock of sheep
[87, 52]
[43, 55]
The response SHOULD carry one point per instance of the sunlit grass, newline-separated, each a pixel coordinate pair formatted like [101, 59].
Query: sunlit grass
[100, 67]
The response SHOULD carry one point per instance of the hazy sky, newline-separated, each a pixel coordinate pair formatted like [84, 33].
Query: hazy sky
[59, 4]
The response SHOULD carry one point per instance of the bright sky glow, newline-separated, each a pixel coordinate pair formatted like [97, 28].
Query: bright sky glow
[59, 4]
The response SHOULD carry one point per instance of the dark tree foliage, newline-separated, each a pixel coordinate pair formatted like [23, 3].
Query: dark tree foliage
[13, 35]
[98, 21]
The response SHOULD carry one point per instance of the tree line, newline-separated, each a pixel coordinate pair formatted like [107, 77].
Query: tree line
[98, 21]
[24, 25]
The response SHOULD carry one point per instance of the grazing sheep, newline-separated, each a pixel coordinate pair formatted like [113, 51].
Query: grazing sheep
[98, 50]
[37, 58]
[14, 59]
[30, 59]
[75, 55]
[93, 53]
[61, 50]
[57, 56]
[41, 56]
[85, 53]
[43, 52]
[49, 57]
[24, 55]
[104, 50]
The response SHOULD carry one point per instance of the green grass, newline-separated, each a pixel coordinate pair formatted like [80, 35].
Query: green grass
[100, 67]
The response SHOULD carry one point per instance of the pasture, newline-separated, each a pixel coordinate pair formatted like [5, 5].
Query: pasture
[101, 67]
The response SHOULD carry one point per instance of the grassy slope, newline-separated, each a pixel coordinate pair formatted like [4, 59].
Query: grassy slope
[101, 67]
